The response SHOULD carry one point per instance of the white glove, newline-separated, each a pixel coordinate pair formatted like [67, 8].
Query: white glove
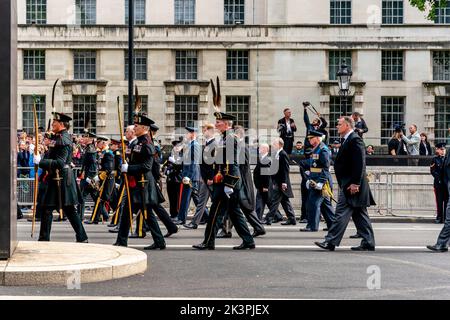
[319, 186]
[88, 180]
[171, 159]
[186, 180]
[96, 179]
[117, 185]
[307, 184]
[307, 172]
[228, 191]
[124, 168]
[37, 159]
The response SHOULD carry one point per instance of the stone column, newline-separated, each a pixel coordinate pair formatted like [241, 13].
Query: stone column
[8, 128]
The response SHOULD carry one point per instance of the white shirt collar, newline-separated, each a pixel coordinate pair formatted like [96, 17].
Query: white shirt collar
[346, 136]
[210, 139]
[277, 155]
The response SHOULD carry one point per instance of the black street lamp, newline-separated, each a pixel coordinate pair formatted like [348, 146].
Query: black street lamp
[344, 76]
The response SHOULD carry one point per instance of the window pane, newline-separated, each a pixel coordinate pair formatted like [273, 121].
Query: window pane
[139, 12]
[82, 106]
[184, 11]
[441, 65]
[234, 11]
[27, 113]
[34, 65]
[237, 65]
[86, 12]
[239, 106]
[36, 11]
[85, 65]
[392, 65]
[186, 111]
[335, 59]
[338, 108]
[441, 118]
[392, 11]
[186, 65]
[140, 64]
[144, 104]
[392, 114]
[443, 14]
[340, 11]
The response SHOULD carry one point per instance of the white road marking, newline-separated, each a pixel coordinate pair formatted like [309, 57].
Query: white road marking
[286, 246]
[129, 298]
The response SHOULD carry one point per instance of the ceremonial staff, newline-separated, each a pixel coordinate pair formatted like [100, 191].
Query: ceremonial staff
[99, 198]
[36, 167]
[124, 160]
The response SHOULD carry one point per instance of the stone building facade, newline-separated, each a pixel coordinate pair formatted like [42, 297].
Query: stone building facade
[269, 54]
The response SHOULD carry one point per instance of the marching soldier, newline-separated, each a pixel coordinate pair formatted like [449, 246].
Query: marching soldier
[226, 188]
[139, 170]
[115, 196]
[319, 181]
[61, 190]
[88, 170]
[440, 188]
[172, 170]
[104, 180]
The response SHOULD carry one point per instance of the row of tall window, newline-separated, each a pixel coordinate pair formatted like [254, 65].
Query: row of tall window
[234, 12]
[187, 112]
[237, 64]
[86, 12]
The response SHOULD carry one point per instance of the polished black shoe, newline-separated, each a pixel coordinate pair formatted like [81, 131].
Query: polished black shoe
[203, 246]
[355, 236]
[306, 230]
[258, 233]
[267, 222]
[119, 245]
[111, 225]
[325, 229]
[179, 222]
[136, 236]
[363, 248]
[168, 234]
[31, 219]
[288, 222]
[115, 230]
[155, 247]
[245, 246]
[277, 220]
[88, 222]
[437, 221]
[190, 226]
[84, 241]
[325, 245]
[304, 221]
[437, 248]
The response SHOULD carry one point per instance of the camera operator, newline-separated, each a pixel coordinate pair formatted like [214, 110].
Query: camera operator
[396, 146]
[286, 128]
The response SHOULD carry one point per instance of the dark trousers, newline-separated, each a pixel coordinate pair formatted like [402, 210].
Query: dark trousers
[75, 221]
[125, 223]
[304, 195]
[278, 197]
[316, 205]
[288, 144]
[441, 196]
[86, 190]
[222, 204]
[359, 216]
[173, 191]
[165, 218]
[263, 200]
[444, 235]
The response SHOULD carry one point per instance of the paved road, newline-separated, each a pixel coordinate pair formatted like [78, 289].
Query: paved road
[286, 264]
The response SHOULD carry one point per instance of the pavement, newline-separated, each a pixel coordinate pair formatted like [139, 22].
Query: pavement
[285, 265]
[66, 263]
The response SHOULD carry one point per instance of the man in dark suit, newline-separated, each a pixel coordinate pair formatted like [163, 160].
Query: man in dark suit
[261, 178]
[354, 191]
[360, 124]
[444, 237]
[286, 128]
[440, 188]
[281, 189]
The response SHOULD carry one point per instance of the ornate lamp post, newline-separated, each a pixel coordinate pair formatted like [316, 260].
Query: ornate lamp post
[344, 76]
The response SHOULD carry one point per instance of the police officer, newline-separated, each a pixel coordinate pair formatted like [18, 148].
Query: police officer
[440, 189]
[226, 188]
[139, 171]
[61, 190]
[104, 180]
[319, 179]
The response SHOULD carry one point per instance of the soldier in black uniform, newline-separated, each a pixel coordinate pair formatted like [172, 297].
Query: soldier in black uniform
[139, 171]
[88, 170]
[440, 188]
[104, 180]
[115, 196]
[172, 170]
[61, 189]
[226, 188]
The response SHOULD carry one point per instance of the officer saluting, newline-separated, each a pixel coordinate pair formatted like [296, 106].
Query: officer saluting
[440, 188]
[61, 190]
[319, 181]
[139, 170]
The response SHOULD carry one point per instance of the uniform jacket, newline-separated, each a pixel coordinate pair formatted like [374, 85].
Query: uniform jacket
[247, 192]
[319, 165]
[437, 171]
[89, 162]
[350, 168]
[282, 174]
[207, 164]
[106, 171]
[155, 194]
[261, 178]
[191, 161]
[58, 160]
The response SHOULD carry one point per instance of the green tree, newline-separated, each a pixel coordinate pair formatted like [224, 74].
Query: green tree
[422, 5]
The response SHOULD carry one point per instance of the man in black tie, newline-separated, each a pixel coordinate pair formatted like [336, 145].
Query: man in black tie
[354, 192]
[280, 185]
[286, 128]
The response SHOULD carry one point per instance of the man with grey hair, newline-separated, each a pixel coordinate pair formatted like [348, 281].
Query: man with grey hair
[412, 141]
[354, 191]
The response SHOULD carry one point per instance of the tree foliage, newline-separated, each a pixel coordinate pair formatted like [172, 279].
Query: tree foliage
[423, 5]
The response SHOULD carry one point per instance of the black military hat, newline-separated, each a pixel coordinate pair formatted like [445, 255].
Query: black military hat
[179, 140]
[61, 117]
[314, 133]
[224, 116]
[191, 129]
[143, 120]
[102, 138]
[154, 127]
[88, 134]
[441, 145]
[114, 141]
[308, 151]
